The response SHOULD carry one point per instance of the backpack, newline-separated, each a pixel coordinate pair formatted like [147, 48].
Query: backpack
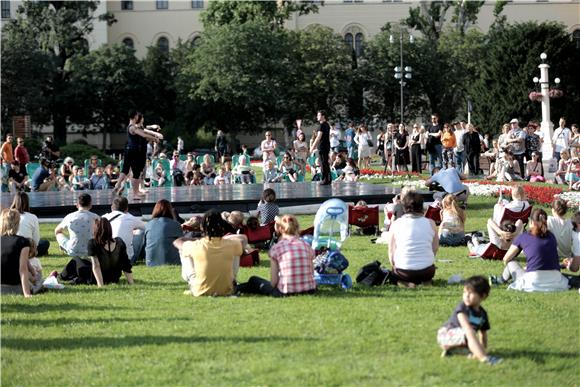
[330, 262]
[372, 274]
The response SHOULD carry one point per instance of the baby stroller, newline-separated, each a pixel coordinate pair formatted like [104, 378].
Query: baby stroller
[331, 218]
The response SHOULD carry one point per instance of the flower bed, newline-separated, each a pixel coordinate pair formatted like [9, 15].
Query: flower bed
[536, 193]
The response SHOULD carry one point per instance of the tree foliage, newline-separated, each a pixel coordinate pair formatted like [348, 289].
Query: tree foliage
[430, 16]
[510, 59]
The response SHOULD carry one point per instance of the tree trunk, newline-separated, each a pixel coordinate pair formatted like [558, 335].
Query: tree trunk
[59, 123]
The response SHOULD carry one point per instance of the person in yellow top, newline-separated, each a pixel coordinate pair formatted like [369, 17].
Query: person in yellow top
[210, 264]
[7, 151]
[448, 142]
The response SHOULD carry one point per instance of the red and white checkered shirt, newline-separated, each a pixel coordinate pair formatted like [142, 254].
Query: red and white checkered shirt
[296, 270]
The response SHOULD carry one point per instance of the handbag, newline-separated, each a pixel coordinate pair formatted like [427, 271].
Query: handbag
[372, 274]
[251, 258]
[370, 143]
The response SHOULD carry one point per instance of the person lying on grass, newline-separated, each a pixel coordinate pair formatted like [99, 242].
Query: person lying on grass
[291, 267]
[210, 264]
[468, 318]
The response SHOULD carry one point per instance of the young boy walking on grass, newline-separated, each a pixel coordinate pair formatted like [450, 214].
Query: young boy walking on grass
[468, 318]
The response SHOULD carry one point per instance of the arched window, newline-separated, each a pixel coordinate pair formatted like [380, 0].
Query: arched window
[349, 40]
[163, 44]
[129, 43]
[358, 44]
[576, 35]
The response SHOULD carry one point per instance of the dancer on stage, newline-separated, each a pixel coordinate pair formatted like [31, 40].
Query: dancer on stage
[135, 152]
[322, 143]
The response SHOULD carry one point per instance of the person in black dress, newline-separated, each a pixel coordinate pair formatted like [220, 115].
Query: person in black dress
[415, 142]
[322, 142]
[401, 148]
[136, 152]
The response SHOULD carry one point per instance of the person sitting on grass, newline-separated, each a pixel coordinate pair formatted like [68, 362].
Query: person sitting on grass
[267, 207]
[501, 236]
[79, 225]
[534, 169]
[452, 227]
[160, 232]
[208, 264]
[413, 243]
[29, 226]
[291, 267]
[573, 174]
[468, 318]
[15, 269]
[518, 203]
[561, 228]
[543, 266]
[561, 173]
[107, 259]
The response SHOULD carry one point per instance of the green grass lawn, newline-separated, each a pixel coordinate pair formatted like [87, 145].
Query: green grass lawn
[151, 334]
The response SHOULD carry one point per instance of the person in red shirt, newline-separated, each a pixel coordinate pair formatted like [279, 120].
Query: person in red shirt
[21, 154]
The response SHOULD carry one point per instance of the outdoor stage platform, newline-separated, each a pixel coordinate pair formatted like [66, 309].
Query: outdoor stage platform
[198, 199]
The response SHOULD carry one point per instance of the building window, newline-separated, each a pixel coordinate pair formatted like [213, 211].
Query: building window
[348, 39]
[128, 42]
[163, 44]
[196, 3]
[127, 5]
[347, 1]
[5, 9]
[576, 35]
[162, 4]
[358, 44]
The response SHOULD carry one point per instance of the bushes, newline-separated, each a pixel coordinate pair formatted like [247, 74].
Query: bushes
[80, 152]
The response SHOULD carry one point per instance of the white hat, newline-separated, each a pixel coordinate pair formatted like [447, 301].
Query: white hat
[514, 121]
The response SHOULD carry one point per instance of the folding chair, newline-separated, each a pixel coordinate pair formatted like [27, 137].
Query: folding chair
[434, 213]
[364, 217]
[259, 235]
[514, 216]
[492, 252]
[166, 169]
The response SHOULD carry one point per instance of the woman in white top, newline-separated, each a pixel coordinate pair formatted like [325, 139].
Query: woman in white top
[29, 227]
[301, 152]
[268, 148]
[335, 136]
[502, 139]
[413, 243]
[364, 142]
[562, 228]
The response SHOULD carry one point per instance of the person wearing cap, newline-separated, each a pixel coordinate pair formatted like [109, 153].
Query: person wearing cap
[561, 139]
[50, 150]
[79, 225]
[517, 143]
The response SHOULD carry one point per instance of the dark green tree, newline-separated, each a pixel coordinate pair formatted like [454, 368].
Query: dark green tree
[53, 30]
[509, 61]
[109, 84]
[160, 70]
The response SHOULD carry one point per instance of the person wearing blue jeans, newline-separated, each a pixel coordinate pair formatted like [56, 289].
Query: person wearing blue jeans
[459, 150]
[434, 143]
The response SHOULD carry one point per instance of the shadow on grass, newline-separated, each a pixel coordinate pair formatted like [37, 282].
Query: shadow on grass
[63, 321]
[540, 357]
[31, 308]
[93, 342]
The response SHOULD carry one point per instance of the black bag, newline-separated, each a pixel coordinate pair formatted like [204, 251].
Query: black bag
[372, 274]
[370, 143]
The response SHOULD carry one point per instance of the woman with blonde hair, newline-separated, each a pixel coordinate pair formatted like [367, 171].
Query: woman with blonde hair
[15, 274]
[291, 267]
[452, 227]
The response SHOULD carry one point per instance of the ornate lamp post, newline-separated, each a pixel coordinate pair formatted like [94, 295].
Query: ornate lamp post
[547, 126]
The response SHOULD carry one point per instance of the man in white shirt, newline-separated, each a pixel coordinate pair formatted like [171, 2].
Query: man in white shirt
[561, 139]
[459, 148]
[177, 166]
[126, 226]
[180, 145]
[79, 225]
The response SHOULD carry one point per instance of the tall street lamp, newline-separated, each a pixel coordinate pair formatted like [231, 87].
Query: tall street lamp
[544, 97]
[402, 72]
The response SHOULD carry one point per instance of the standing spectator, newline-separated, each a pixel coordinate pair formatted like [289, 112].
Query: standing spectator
[517, 143]
[365, 143]
[322, 144]
[291, 267]
[472, 146]
[533, 142]
[14, 269]
[29, 227]
[434, 132]
[50, 150]
[267, 207]
[389, 139]
[335, 137]
[574, 140]
[21, 154]
[561, 139]
[502, 140]
[401, 148]
[79, 225]
[6, 151]
[459, 150]
[349, 134]
[415, 143]
[448, 143]
[127, 227]
[180, 145]
[221, 144]
[268, 147]
[99, 180]
[160, 232]
[381, 146]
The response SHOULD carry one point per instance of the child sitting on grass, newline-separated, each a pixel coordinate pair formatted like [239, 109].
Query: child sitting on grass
[267, 207]
[468, 318]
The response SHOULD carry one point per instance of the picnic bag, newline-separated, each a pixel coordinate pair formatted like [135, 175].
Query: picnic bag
[250, 258]
[372, 274]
